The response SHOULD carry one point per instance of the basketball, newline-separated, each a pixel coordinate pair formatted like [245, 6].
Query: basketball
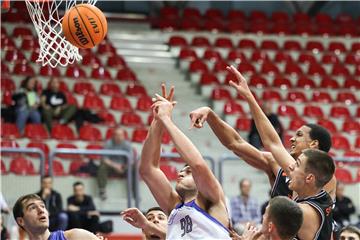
[84, 25]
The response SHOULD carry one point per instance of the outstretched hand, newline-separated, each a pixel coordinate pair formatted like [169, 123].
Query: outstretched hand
[250, 233]
[162, 107]
[134, 217]
[240, 84]
[199, 116]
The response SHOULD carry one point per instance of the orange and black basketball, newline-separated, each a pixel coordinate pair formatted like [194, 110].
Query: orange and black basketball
[84, 25]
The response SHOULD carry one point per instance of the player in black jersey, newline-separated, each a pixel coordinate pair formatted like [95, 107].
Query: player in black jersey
[307, 175]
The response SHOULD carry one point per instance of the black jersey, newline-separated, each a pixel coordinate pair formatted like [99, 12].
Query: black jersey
[323, 203]
[281, 185]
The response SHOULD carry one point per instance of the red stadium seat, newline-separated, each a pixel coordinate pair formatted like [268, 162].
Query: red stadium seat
[135, 90]
[110, 89]
[9, 143]
[214, 25]
[243, 124]
[220, 94]
[351, 126]
[246, 68]
[22, 32]
[213, 13]
[57, 168]
[223, 42]
[169, 12]
[198, 66]
[212, 55]
[236, 26]
[220, 66]
[352, 58]
[292, 45]
[49, 71]
[296, 96]
[279, 16]
[7, 84]
[131, 119]
[75, 167]
[316, 69]
[319, 96]
[344, 18]
[4, 68]
[269, 68]
[255, 80]
[191, 24]
[89, 133]
[67, 146]
[232, 107]
[269, 45]
[93, 102]
[236, 15]
[328, 124]
[323, 18]
[40, 145]
[208, 79]
[106, 48]
[187, 54]
[177, 41]
[29, 44]
[236, 56]
[305, 82]
[108, 118]
[74, 71]
[271, 95]
[352, 83]
[36, 131]
[340, 70]
[62, 132]
[22, 166]
[352, 153]
[15, 56]
[126, 74]
[91, 60]
[292, 68]
[281, 82]
[314, 46]
[343, 175]
[287, 110]
[3, 168]
[144, 103]
[120, 103]
[313, 111]
[296, 123]
[247, 43]
[340, 142]
[116, 61]
[170, 172]
[330, 58]
[357, 142]
[304, 29]
[258, 16]
[355, 47]
[139, 135]
[71, 99]
[84, 88]
[282, 56]
[191, 13]
[337, 47]
[23, 69]
[300, 17]
[7, 43]
[200, 41]
[307, 58]
[7, 97]
[339, 112]
[259, 56]
[346, 97]
[101, 73]
[94, 147]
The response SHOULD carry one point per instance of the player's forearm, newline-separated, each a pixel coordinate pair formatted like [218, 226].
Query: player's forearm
[153, 229]
[150, 154]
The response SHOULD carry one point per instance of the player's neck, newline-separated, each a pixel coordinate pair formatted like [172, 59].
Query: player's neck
[39, 236]
[308, 192]
[188, 197]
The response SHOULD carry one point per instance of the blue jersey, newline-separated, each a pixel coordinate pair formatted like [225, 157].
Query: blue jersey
[58, 235]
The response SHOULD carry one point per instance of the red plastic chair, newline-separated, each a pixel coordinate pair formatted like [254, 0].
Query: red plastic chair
[170, 172]
[281, 82]
[247, 43]
[346, 97]
[340, 142]
[101, 73]
[233, 108]
[116, 61]
[352, 83]
[22, 166]
[292, 45]
[49, 71]
[7, 43]
[314, 46]
[139, 135]
[220, 94]
[126, 74]
[305, 82]
[23, 69]
[283, 57]
[316, 69]
[120, 103]
[94, 147]
[271, 95]
[213, 13]
[236, 15]
[307, 58]
[355, 47]
[198, 66]
[135, 90]
[300, 17]
[29, 44]
[259, 56]
[90, 133]
[337, 47]
[269, 68]
[91, 60]
[68, 146]
[22, 32]
[74, 71]
[323, 18]
[9, 130]
[319, 96]
[340, 70]
[9, 143]
[57, 168]
[223, 42]
[40, 145]
[236, 26]
[313, 111]
[62, 132]
[287, 110]
[199, 41]
[108, 118]
[92, 101]
[3, 168]
[340, 112]
[191, 13]
[220, 66]
[169, 12]
[351, 126]
[246, 68]
[7, 84]
[75, 166]
[131, 119]
[352, 58]
[343, 175]
[269, 45]
[214, 25]
[255, 80]
[296, 123]
[187, 54]
[71, 99]
[208, 79]
[328, 124]
[292, 68]
[258, 16]
[110, 89]
[243, 124]
[144, 103]
[212, 55]
[177, 41]
[296, 96]
[280, 16]
[235, 55]
[36, 131]
[84, 88]
[106, 48]
[7, 98]
[14, 56]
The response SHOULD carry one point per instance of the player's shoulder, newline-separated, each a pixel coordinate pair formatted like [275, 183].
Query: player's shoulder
[78, 233]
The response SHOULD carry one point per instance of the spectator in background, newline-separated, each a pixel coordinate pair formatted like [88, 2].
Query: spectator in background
[54, 104]
[4, 210]
[153, 224]
[81, 210]
[244, 208]
[254, 137]
[27, 102]
[343, 206]
[350, 233]
[53, 202]
[113, 165]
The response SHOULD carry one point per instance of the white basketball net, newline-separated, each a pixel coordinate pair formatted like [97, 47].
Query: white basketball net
[54, 48]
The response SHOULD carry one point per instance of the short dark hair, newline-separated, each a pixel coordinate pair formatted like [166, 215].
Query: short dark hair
[78, 183]
[320, 134]
[154, 209]
[286, 215]
[320, 164]
[46, 176]
[18, 210]
[351, 229]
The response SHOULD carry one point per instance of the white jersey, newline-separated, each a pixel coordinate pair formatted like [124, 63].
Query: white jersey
[189, 221]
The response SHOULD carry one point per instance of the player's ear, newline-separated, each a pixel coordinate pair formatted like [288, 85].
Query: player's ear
[20, 221]
[271, 227]
[309, 178]
[314, 144]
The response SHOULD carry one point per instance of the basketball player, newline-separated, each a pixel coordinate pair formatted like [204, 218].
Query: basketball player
[196, 207]
[31, 214]
[307, 136]
[153, 224]
[307, 175]
[281, 221]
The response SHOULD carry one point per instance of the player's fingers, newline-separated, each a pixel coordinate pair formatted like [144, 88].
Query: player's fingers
[171, 94]
[158, 97]
[163, 90]
[233, 84]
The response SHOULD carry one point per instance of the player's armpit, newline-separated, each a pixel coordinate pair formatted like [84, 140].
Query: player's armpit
[311, 223]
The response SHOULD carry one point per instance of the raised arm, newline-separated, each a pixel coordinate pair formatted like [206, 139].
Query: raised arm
[208, 186]
[268, 134]
[232, 140]
[150, 171]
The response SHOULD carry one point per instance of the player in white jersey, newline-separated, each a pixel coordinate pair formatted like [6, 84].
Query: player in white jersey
[196, 206]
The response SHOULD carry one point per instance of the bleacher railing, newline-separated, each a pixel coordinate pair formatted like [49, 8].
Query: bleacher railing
[104, 152]
[28, 150]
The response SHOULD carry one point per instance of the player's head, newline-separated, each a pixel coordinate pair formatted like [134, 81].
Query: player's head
[313, 168]
[118, 135]
[31, 214]
[185, 184]
[46, 182]
[282, 218]
[245, 187]
[78, 189]
[54, 84]
[157, 216]
[350, 233]
[310, 136]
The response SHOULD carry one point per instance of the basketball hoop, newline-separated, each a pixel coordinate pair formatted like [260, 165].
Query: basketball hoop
[54, 48]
